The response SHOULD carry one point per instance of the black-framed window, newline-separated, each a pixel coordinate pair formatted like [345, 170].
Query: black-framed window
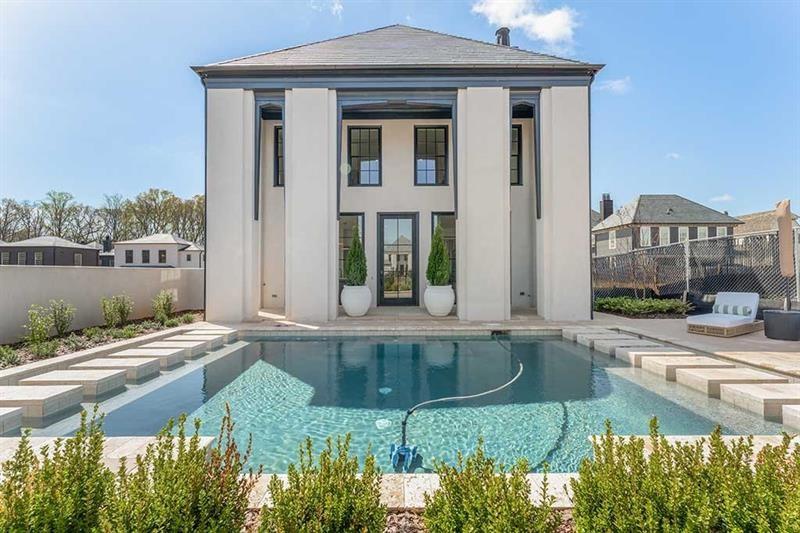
[364, 155]
[430, 155]
[145, 256]
[516, 154]
[162, 256]
[278, 157]
[189, 258]
[129, 256]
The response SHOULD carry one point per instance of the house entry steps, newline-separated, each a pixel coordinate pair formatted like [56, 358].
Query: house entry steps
[708, 380]
[138, 369]
[96, 383]
[41, 402]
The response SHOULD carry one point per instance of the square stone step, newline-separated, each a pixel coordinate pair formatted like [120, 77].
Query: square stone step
[227, 335]
[634, 354]
[212, 341]
[791, 416]
[138, 369]
[168, 357]
[588, 339]
[708, 380]
[41, 402]
[570, 333]
[767, 400]
[610, 346]
[10, 419]
[95, 382]
[193, 348]
[666, 366]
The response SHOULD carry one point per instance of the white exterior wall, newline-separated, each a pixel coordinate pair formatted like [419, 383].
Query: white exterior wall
[273, 231]
[483, 226]
[310, 191]
[562, 235]
[523, 221]
[196, 262]
[172, 255]
[233, 243]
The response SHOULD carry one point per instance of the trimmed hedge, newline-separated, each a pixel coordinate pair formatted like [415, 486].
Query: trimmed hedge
[625, 305]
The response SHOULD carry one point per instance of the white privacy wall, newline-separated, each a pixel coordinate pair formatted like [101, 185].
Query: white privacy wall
[83, 287]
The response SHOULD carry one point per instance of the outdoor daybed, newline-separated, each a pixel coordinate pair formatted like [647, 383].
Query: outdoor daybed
[734, 314]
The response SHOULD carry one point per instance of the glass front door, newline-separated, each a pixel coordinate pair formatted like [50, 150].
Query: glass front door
[397, 250]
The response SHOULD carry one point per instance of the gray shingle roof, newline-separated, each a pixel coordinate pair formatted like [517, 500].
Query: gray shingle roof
[595, 217]
[761, 221]
[48, 241]
[665, 209]
[157, 238]
[397, 46]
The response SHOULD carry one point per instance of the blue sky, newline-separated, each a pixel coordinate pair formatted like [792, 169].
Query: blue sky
[698, 99]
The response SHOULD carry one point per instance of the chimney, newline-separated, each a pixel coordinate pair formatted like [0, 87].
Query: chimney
[107, 243]
[606, 206]
[503, 36]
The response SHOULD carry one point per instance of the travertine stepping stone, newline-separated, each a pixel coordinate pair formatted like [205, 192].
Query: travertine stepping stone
[137, 368]
[708, 380]
[791, 416]
[572, 332]
[227, 335]
[666, 366]
[766, 400]
[634, 354]
[587, 339]
[212, 341]
[193, 347]
[610, 346]
[169, 357]
[95, 382]
[10, 419]
[43, 401]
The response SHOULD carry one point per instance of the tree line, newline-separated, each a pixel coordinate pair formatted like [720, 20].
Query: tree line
[60, 215]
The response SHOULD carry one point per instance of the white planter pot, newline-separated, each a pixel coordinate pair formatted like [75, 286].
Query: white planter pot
[356, 300]
[439, 300]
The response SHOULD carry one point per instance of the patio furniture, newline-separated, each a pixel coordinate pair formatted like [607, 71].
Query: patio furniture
[734, 313]
[782, 325]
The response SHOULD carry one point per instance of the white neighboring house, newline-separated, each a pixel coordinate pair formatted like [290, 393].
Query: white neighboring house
[160, 250]
[392, 131]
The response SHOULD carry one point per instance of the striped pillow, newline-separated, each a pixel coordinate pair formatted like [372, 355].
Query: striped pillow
[728, 309]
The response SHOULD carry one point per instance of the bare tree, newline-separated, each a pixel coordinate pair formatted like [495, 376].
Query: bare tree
[111, 215]
[9, 219]
[58, 209]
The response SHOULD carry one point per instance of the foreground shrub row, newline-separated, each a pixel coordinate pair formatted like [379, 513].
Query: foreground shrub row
[625, 305]
[176, 485]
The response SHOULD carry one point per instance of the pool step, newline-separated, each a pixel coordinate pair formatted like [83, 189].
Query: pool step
[791, 416]
[666, 366]
[588, 339]
[571, 332]
[42, 401]
[10, 419]
[168, 357]
[766, 400]
[138, 369]
[708, 380]
[212, 341]
[610, 346]
[228, 335]
[634, 355]
[96, 383]
[194, 348]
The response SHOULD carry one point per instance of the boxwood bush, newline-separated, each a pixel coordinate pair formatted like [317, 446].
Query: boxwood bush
[625, 305]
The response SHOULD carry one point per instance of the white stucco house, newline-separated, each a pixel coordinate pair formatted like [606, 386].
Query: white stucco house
[390, 132]
[161, 250]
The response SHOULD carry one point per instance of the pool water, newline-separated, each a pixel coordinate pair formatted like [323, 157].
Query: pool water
[280, 391]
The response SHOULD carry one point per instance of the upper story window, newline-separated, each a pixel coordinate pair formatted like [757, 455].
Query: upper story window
[278, 158]
[430, 155]
[145, 256]
[364, 156]
[722, 231]
[129, 256]
[162, 256]
[189, 258]
[38, 258]
[702, 232]
[644, 236]
[612, 239]
[663, 235]
[683, 233]
[77, 259]
[516, 154]
[22, 258]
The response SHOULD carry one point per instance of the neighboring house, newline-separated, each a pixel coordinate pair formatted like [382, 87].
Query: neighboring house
[659, 219]
[390, 132]
[51, 251]
[160, 250]
[761, 221]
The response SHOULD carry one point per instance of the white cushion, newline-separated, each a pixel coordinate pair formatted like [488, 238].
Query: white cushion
[737, 303]
[718, 319]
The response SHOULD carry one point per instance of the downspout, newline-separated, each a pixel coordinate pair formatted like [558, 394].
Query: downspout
[205, 191]
[591, 259]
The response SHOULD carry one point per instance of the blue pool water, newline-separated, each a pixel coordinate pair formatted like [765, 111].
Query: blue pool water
[282, 390]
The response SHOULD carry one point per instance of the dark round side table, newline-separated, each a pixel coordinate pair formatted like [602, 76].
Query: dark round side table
[782, 325]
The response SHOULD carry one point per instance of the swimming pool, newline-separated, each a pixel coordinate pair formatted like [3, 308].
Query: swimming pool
[281, 390]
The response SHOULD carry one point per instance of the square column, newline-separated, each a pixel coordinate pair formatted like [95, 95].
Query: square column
[563, 250]
[232, 247]
[483, 250]
[311, 230]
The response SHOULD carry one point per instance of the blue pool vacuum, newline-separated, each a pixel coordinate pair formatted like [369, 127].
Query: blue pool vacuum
[404, 456]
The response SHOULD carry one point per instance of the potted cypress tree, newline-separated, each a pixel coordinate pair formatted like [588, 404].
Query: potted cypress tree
[439, 296]
[356, 296]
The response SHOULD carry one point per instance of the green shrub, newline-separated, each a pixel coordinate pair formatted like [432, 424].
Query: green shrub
[116, 310]
[96, 334]
[8, 356]
[75, 343]
[438, 273]
[477, 495]
[148, 325]
[63, 491]
[625, 305]
[172, 323]
[162, 306]
[355, 265]
[38, 326]
[186, 318]
[679, 488]
[61, 314]
[44, 349]
[328, 496]
[178, 486]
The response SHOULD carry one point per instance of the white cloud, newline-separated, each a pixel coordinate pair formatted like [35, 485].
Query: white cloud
[722, 198]
[618, 86]
[334, 6]
[555, 27]
[672, 155]
[337, 8]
